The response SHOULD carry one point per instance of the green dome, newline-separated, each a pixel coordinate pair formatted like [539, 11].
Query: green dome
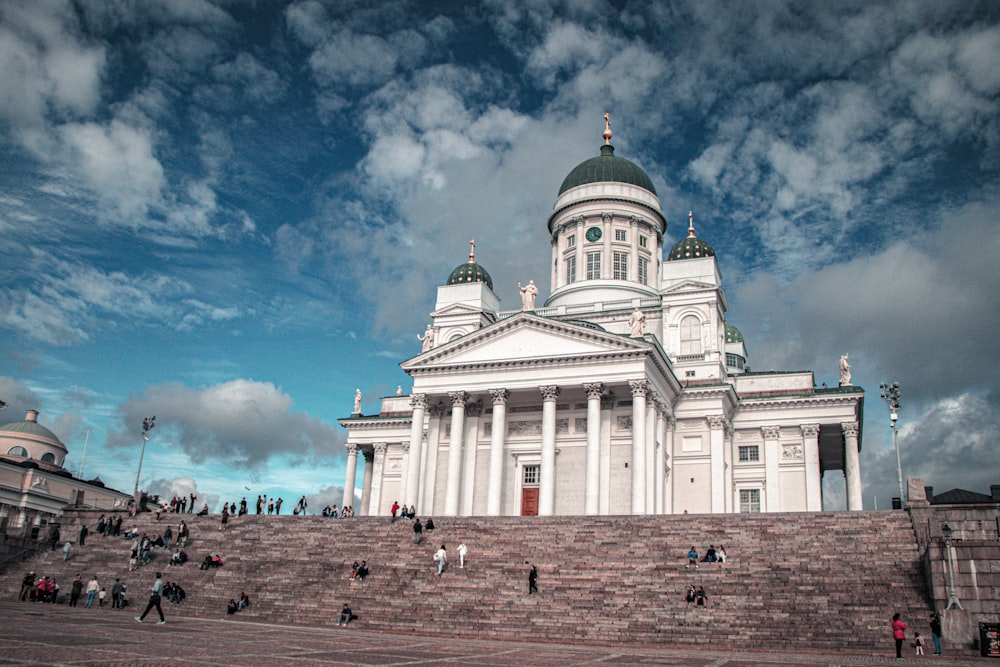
[29, 428]
[607, 168]
[690, 247]
[470, 272]
[733, 334]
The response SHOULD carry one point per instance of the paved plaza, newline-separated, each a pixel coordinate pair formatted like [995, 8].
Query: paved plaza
[43, 634]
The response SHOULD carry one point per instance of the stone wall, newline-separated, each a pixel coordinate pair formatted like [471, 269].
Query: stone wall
[975, 553]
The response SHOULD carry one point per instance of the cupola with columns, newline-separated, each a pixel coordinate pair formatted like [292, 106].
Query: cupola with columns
[606, 230]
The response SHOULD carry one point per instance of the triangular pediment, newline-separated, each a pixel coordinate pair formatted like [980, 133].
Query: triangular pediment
[453, 309]
[525, 336]
[689, 286]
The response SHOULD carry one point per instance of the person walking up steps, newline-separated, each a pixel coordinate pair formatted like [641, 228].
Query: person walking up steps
[441, 557]
[155, 592]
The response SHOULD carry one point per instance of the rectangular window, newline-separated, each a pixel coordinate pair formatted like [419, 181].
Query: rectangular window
[620, 235]
[593, 265]
[749, 501]
[749, 453]
[621, 266]
[570, 269]
[571, 241]
[643, 241]
[530, 475]
[643, 270]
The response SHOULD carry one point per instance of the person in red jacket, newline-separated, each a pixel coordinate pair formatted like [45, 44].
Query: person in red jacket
[899, 634]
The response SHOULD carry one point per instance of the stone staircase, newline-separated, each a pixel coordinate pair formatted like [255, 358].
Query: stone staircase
[794, 581]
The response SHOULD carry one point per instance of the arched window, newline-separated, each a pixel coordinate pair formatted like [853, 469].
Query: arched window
[690, 335]
[48, 457]
[17, 451]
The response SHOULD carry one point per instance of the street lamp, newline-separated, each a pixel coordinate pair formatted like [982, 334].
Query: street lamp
[147, 425]
[890, 392]
[946, 533]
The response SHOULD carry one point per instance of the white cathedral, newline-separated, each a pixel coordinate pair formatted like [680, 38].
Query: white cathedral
[627, 392]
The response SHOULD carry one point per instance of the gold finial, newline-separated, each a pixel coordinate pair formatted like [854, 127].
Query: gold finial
[607, 130]
[690, 224]
[472, 251]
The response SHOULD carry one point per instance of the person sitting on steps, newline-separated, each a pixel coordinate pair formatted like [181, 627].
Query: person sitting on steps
[692, 558]
[346, 615]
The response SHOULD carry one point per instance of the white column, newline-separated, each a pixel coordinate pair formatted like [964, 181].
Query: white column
[661, 439]
[668, 479]
[554, 282]
[814, 480]
[607, 414]
[366, 483]
[431, 468]
[419, 404]
[377, 470]
[547, 472]
[593, 471]
[404, 466]
[852, 466]
[716, 426]
[606, 259]
[727, 462]
[639, 388]
[650, 449]
[581, 257]
[633, 255]
[771, 458]
[350, 474]
[471, 439]
[453, 484]
[494, 492]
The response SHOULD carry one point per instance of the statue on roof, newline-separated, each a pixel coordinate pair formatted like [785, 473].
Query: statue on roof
[357, 402]
[845, 371]
[637, 323]
[427, 339]
[528, 295]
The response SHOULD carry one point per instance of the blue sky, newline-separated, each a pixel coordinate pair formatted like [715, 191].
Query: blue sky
[229, 215]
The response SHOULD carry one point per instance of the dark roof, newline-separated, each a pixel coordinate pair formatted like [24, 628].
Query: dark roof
[960, 497]
[607, 168]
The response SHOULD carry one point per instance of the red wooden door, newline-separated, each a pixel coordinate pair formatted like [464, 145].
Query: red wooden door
[529, 501]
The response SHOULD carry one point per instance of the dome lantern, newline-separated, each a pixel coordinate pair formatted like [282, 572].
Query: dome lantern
[691, 247]
[470, 271]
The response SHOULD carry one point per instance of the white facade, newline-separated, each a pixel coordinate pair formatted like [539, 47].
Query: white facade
[573, 408]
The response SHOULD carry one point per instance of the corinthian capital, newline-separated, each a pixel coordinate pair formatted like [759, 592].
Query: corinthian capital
[850, 429]
[549, 392]
[458, 398]
[418, 401]
[499, 396]
[639, 387]
[594, 389]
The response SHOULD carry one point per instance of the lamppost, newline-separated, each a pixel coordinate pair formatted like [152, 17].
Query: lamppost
[946, 533]
[890, 392]
[147, 425]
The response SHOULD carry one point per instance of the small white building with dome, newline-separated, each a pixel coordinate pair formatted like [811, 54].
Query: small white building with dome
[35, 487]
[627, 392]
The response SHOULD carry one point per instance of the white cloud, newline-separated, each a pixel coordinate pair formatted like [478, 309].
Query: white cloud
[45, 66]
[249, 76]
[117, 163]
[352, 59]
[241, 423]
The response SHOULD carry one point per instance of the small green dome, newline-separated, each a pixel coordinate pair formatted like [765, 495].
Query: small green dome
[691, 247]
[470, 272]
[733, 334]
[607, 168]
